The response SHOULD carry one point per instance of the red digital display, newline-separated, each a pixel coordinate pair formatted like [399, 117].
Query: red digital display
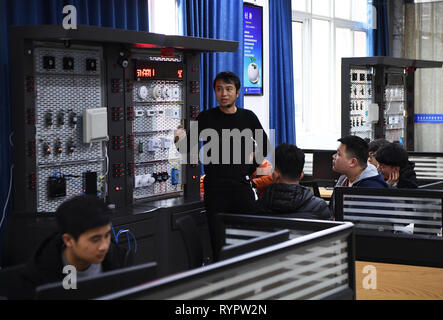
[145, 72]
[159, 70]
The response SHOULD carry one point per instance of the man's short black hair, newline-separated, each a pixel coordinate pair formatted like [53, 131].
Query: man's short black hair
[376, 144]
[289, 161]
[82, 213]
[356, 147]
[228, 77]
[392, 154]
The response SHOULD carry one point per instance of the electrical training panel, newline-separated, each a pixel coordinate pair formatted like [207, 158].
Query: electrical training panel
[378, 98]
[95, 111]
[158, 102]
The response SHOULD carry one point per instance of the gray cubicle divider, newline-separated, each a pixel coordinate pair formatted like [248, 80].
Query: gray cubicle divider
[401, 226]
[428, 167]
[290, 259]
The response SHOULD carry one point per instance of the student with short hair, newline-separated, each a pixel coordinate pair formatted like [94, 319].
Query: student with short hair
[395, 166]
[286, 196]
[83, 241]
[351, 160]
[373, 146]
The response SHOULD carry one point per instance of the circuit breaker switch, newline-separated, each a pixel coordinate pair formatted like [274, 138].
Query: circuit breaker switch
[175, 176]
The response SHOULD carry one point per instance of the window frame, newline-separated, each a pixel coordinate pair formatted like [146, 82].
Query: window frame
[153, 16]
[306, 18]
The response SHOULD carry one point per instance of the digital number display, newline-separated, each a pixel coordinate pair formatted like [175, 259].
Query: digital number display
[145, 73]
[159, 70]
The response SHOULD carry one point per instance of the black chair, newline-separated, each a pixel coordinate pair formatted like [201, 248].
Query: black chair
[10, 279]
[191, 237]
[313, 185]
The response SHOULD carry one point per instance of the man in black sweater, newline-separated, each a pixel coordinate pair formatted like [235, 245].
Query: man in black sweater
[234, 145]
[285, 196]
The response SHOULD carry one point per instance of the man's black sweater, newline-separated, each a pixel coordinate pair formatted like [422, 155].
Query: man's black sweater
[229, 167]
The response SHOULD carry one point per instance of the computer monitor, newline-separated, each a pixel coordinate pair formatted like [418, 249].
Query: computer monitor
[322, 166]
[100, 285]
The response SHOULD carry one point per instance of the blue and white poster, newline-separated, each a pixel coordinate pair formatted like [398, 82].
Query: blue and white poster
[253, 50]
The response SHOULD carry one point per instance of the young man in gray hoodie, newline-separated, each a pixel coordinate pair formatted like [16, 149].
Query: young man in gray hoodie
[351, 160]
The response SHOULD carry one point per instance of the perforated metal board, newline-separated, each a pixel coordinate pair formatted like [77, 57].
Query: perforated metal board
[68, 92]
[155, 119]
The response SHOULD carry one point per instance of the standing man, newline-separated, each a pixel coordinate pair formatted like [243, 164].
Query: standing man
[233, 141]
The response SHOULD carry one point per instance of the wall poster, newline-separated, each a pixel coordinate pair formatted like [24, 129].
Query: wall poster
[253, 49]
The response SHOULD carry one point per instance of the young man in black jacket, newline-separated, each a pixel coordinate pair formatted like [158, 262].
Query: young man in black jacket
[394, 165]
[83, 242]
[286, 196]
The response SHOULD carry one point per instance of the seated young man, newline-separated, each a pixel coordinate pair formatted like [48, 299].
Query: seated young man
[373, 146]
[351, 160]
[394, 165]
[285, 196]
[83, 241]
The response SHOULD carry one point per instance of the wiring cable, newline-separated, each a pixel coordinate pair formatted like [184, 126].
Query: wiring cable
[7, 198]
[10, 185]
[128, 233]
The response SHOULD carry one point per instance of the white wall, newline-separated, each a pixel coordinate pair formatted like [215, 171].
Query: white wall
[260, 104]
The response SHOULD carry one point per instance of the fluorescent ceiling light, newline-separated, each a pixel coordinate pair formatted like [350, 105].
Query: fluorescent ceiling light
[424, 1]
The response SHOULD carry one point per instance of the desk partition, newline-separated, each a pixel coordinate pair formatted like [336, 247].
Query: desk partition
[313, 260]
[401, 226]
[428, 166]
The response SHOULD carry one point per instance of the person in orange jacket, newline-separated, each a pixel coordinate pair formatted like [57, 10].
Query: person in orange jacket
[260, 181]
[263, 180]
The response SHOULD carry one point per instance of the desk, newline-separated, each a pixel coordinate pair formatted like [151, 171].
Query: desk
[400, 282]
[325, 193]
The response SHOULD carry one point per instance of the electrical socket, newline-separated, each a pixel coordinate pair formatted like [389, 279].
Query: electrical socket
[138, 182]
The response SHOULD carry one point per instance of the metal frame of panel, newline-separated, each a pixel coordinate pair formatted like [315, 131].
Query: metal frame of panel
[381, 70]
[115, 47]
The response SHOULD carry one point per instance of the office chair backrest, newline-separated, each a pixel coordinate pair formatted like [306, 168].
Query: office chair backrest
[313, 185]
[10, 282]
[191, 237]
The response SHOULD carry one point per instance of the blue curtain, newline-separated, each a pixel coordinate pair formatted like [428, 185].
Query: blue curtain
[281, 85]
[222, 19]
[123, 14]
[378, 35]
